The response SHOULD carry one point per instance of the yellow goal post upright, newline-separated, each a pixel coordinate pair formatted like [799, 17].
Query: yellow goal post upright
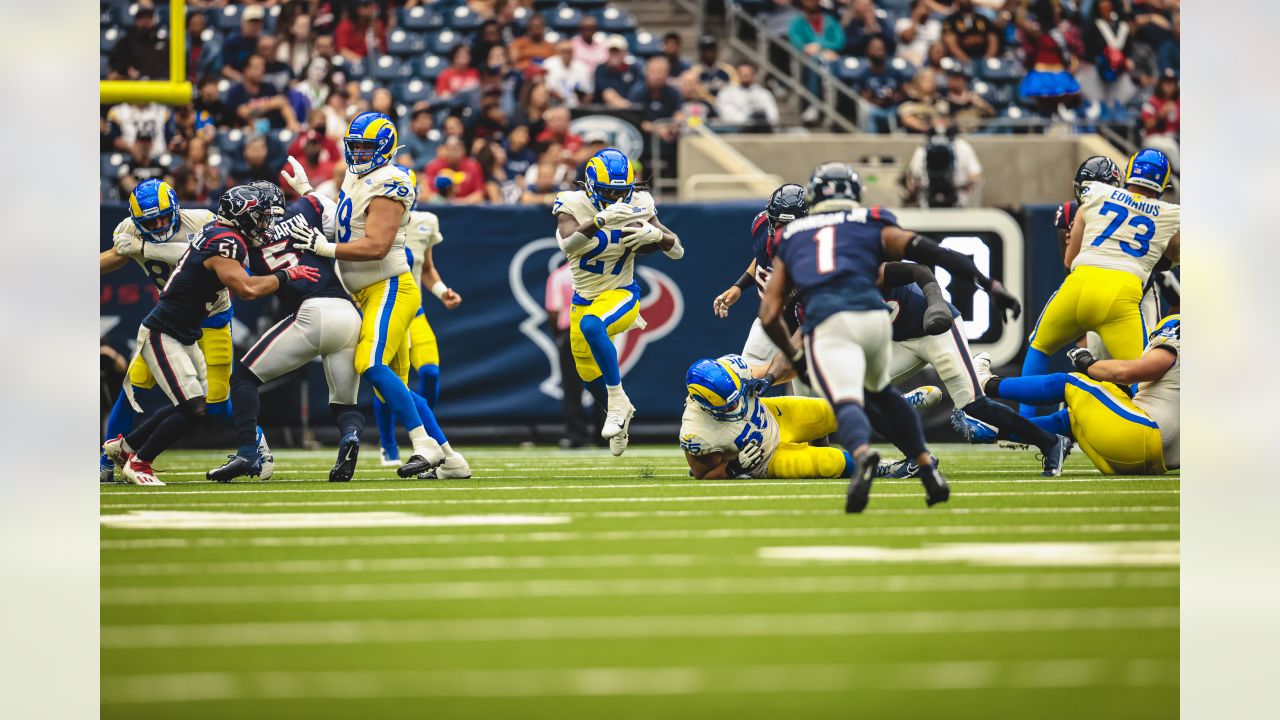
[176, 90]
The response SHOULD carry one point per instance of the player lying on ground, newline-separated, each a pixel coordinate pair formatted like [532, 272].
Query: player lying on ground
[169, 333]
[156, 235]
[1122, 436]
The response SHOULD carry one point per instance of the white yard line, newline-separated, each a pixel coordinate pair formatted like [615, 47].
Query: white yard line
[624, 587]
[1016, 554]
[202, 520]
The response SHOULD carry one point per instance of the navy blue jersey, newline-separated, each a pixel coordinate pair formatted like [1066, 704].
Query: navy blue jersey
[907, 304]
[184, 302]
[763, 238]
[1066, 213]
[278, 253]
[833, 260]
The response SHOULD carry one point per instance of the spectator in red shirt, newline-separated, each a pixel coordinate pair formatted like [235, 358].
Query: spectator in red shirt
[317, 153]
[362, 24]
[557, 131]
[453, 177]
[459, 76]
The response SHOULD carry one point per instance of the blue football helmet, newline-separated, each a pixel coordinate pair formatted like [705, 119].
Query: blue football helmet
[1169, 326]
[610, 178]
[370, 143]
[1148, 168]
[153, 207]
[717, 388]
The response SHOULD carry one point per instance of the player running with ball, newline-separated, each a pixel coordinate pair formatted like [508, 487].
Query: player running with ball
[601, 229]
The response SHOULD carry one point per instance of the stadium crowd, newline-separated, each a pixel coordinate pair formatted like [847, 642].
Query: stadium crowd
[482, 91]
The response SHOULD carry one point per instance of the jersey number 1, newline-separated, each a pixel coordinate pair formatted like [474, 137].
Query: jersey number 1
[826, 239]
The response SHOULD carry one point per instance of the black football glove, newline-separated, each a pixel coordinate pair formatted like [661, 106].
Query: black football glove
[937, 319]
[1004, 300]
[1081, 358]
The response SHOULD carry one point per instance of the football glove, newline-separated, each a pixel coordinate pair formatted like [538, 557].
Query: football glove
[302, 272]
[637, 237]
[749, 457]
[128, 245]
[618, 214]
[1081, 358]
[299, 181]
[313, 241]
[937, 319]
[1004, 300]
[756, 386]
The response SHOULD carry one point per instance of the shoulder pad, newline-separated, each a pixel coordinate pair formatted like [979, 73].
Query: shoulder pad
[875, 212]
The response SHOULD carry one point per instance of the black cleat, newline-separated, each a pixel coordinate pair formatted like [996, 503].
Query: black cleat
[936, 489]
[414, 466]
[859, 492]
[1055, 455]
[345, 467]
[236, 466]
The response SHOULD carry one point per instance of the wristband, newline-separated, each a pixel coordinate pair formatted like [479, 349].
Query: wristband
[282, 276]
[745, 281]
[439, 289]
[769, 378]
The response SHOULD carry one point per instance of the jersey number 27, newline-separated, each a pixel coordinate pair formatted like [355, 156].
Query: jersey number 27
[604, 238]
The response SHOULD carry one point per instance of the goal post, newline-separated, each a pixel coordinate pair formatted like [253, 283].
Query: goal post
[174, 91]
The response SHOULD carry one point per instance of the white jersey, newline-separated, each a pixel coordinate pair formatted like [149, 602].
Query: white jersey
[157, 260]
[1124, 230]
[423, 234]
[353, 209]
[702, 434]
[607, 264]
[1160, 398]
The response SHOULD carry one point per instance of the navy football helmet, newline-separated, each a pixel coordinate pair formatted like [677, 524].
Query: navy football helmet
[787, 203]
[834, 181]
[1098, 168]
[252, 209]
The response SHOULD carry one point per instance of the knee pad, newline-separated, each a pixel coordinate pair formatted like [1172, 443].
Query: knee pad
[194, 410]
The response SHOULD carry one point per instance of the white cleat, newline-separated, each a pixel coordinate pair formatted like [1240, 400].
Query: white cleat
[982, 368]
[454, 467]
[139, 472]
[386, 461]
[923, 397]
[268, 460]
[115, 452]
[616, 430]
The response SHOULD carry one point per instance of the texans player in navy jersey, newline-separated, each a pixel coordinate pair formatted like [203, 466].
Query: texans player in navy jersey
[786, 203]
[831, 259]
[167, 338]
[320, 321]
[928, 330]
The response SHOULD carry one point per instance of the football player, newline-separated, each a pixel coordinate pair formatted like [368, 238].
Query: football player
[424, 355]
[167, 340]
[601, 228]
[831, 259]
[1122, 436]
[372, 226]
[320, 321]
[787, 203]
[928, 330]
[156, 235]
[1117, 237]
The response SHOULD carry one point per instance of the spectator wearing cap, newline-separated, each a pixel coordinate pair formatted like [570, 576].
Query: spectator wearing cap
[568, 78]
[656, 99]
[140, 165]
[422, 138]
[860, 25]
[746, 103]
[204, 57]
[881, 87]
[459, 76]
[713, 74]
[968, 35]
[917, 32]
[452, 176]
[243, 43]
[351, 37]
[964, 108]
[589, 45]
[533, 46]
[672, 51]
[141, 53]
[258, 103]
[616, 76]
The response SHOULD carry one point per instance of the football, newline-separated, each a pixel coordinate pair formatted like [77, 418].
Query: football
[645, 249]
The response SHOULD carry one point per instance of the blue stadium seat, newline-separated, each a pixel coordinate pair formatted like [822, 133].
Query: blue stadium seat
[585, 4]
[850, 70]
[272, 21]
[616, 21]
[907, 70]
[109, 165]
[404, 43]
[367, 86]
[420, 19]
[646, 44]
[107, 40]
[104, 66]
[444, 42]
[413, 91]
[230, 142]
[229, 18]
[520, 19]
[898, 7]
[109, 190]
[125, 13]
[463, 18]
[355, 69]
[389, 68]
[429, 67]
[564, 19]
[998, 71]
[546, 4]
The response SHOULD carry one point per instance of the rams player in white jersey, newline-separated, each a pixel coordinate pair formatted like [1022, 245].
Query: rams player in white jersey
[601, 229]
[424, 353]
[1116, 239]
[156, 235]
[372, 225]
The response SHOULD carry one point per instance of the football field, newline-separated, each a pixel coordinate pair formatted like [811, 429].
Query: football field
[571, 584]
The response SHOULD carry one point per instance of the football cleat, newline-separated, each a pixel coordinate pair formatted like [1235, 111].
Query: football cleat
[859, 490]
[115, 452]
[235, 466]
[416, 465]
[454, 467]
[1057, 454]
[972, 429]
[348, 451]
[982, 368]
[901, 469]
[936, 489]
[107, 473]
[386, 461]
[923, 397]
[139, 472]
[267, 461]
[618, 439]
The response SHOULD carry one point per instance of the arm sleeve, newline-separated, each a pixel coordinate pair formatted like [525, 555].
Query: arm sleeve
[676, 252]
[922, 249]
[572, 244]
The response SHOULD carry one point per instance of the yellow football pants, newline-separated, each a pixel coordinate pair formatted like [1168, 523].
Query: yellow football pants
[1117, 435]
[1105, 301]
[802, 420]
[617, 309]
[215, 344]
[387, 308]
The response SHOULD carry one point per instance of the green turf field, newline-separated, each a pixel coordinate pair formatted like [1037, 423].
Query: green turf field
[571, 584]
